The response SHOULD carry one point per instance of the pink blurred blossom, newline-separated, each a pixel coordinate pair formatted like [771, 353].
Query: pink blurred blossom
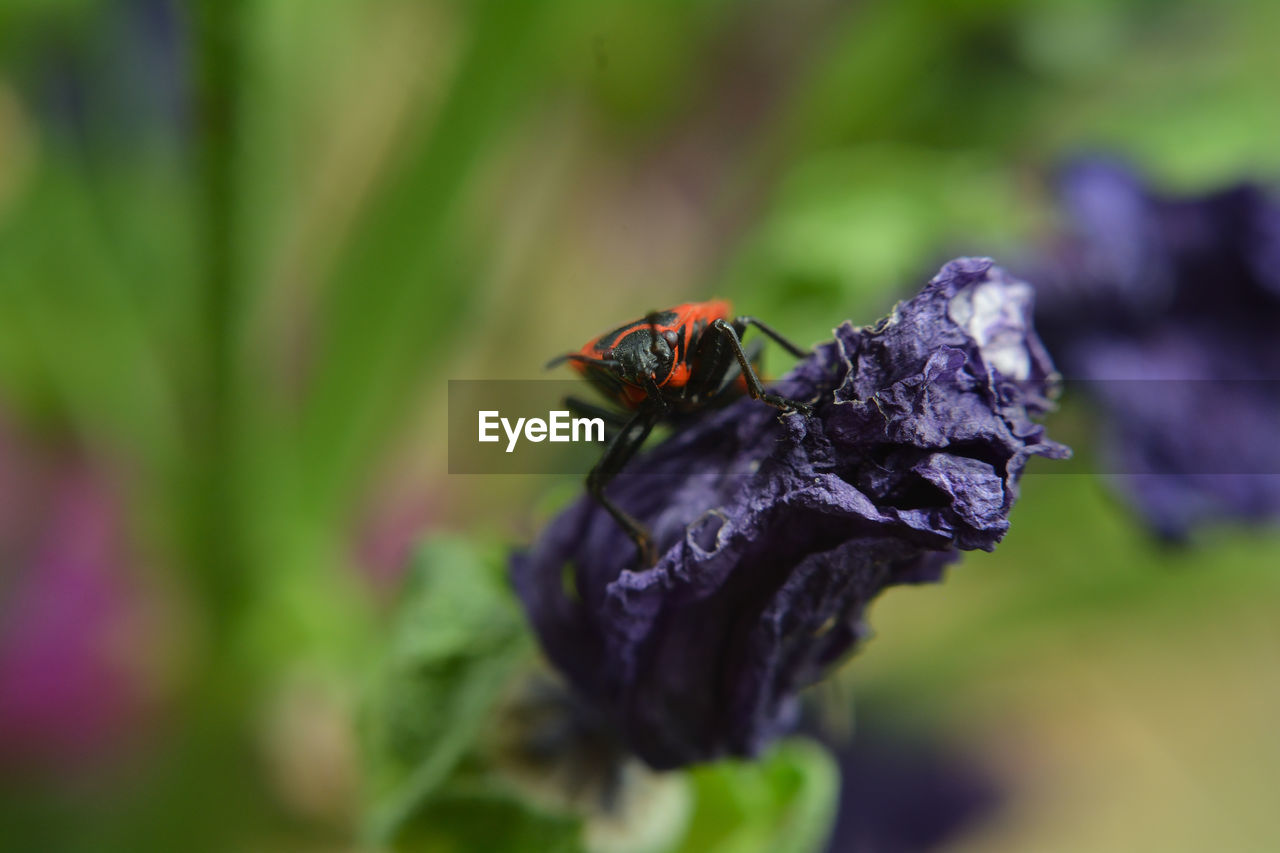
[72, 691]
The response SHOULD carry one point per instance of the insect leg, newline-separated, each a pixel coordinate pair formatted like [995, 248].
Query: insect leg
[613, 421]
[740, 326]
[623, 446]
[754, 386]
[731, 385]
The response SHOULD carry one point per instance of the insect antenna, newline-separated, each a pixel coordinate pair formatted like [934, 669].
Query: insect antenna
[584, 359]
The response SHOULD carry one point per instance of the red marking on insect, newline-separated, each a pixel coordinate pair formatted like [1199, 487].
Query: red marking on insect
[656, 351]
[665, 364]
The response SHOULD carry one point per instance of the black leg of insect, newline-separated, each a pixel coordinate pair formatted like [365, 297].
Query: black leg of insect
[623, 446]
[729, 389]
[732, 335]
[740, 326]
[613, 421]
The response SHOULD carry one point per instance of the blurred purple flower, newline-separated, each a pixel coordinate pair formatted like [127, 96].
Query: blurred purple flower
[777, 531]
[70, 685]
[123, 75]
[905, 793]
[1166, 313]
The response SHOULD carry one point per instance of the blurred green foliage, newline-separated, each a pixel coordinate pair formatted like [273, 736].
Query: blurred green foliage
[456, 646]
[439, 780]
[240, 256]
[784, 802]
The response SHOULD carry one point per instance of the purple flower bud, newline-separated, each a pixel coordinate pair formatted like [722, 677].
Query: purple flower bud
[776, 531]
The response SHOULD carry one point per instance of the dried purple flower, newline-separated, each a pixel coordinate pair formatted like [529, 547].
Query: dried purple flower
[777, 531]
[1166, 313]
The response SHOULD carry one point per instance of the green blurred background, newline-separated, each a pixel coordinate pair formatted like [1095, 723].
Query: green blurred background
[245, 243]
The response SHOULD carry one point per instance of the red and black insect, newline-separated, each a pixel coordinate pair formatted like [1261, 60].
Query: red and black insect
[663, 366]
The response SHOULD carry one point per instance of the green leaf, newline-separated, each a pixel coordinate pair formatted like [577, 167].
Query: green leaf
[396, 295]
[784, 802]
[459, 822]
[455, 644]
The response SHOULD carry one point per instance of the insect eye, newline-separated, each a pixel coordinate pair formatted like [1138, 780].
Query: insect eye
[671, 338]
